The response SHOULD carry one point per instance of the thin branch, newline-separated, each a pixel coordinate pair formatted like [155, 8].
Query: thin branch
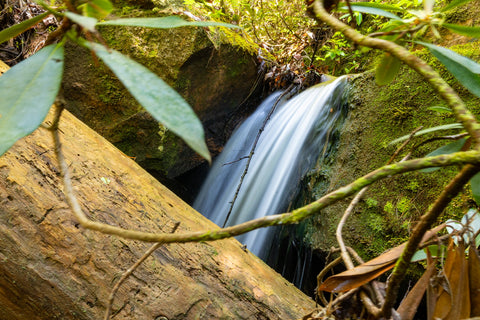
[343, 250]
[127, 273]
[392, 32]
[320, 276]
[462, 114]
[448, 193]
[472, 157]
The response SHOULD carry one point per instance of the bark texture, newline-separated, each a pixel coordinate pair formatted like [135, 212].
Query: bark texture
[50, 268]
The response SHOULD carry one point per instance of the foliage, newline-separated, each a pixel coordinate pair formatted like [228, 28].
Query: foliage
[33, 94]
[406, 25]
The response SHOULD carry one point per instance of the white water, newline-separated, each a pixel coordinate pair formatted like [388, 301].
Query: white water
[293, 139]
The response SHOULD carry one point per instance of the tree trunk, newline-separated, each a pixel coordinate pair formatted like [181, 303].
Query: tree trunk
[50, 268]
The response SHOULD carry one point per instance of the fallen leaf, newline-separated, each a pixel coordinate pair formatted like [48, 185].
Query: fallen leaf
[474, 277]
[408, 307]
[453, 302]
[369, 270]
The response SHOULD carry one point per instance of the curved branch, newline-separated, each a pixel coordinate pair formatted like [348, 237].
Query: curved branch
[462, 114]
[472, 157]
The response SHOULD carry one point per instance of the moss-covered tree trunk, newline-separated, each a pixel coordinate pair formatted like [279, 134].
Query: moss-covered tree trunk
[50, 268]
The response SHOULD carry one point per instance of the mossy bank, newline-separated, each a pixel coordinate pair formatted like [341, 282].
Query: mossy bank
[377, 116]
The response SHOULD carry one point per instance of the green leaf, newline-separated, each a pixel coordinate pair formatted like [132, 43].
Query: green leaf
[465, 70]
[387, 7]
[23, 26]
[387, 69]
[434, 251]
[440, 109]
[98, 9]
[475, 183]
[370, 10]
[157, 97]
[446, 149]
[164, 23]
[453, 4]
[86, 22]
[428, 130]
[28, 90]
[464, 30]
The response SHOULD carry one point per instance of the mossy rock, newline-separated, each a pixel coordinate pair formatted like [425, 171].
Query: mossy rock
[378, 115]
[215, 78]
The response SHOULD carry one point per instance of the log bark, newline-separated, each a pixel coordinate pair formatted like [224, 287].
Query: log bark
[50, 268]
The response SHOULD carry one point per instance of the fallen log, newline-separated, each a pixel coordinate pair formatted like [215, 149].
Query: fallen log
[51, 268]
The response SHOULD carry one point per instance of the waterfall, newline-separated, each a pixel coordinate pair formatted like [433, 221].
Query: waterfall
[292, 140]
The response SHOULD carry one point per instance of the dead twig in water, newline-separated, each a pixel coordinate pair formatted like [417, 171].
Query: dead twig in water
[252, 151]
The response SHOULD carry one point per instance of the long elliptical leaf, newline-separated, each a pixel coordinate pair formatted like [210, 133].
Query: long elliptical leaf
[464, 30]
[428, 130]
[387, 69]
[465, 70]
[28, 90]
[23, 26]
[157, 97]
[446, 149]
[371, 10]
[164, 23]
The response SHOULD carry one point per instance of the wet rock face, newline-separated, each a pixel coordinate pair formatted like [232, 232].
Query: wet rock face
[215, 81]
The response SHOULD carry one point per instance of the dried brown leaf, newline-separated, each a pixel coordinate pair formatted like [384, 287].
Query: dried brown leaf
[369, 270]
[474, 277]
[409, 305]
[454, 302]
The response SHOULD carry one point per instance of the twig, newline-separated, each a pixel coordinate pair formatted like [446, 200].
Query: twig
[369, 305]
[295, 216]
[412, 135]
[252, 151]
[320, 276]
[343, 250]
[392, 32]
[127, 273]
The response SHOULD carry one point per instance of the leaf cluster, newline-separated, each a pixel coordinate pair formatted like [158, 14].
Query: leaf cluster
[29, 89]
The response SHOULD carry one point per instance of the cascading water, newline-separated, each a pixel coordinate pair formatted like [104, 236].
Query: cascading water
[288, 147]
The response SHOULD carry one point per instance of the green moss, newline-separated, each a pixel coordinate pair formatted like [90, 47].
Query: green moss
[378, 115]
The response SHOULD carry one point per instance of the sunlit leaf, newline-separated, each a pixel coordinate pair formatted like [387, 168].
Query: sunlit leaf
[23, 26]
[27, 91]
[164, 23]
[465, 70]
[387, 69]
[428, 5]
[384, 6]
[428, 130]
[157, 97]
[97, 8]
[464, 30]
[86, 22]
[440, 109]
[446, 149]
[453, 4]
[370, 10]
[359, 19]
